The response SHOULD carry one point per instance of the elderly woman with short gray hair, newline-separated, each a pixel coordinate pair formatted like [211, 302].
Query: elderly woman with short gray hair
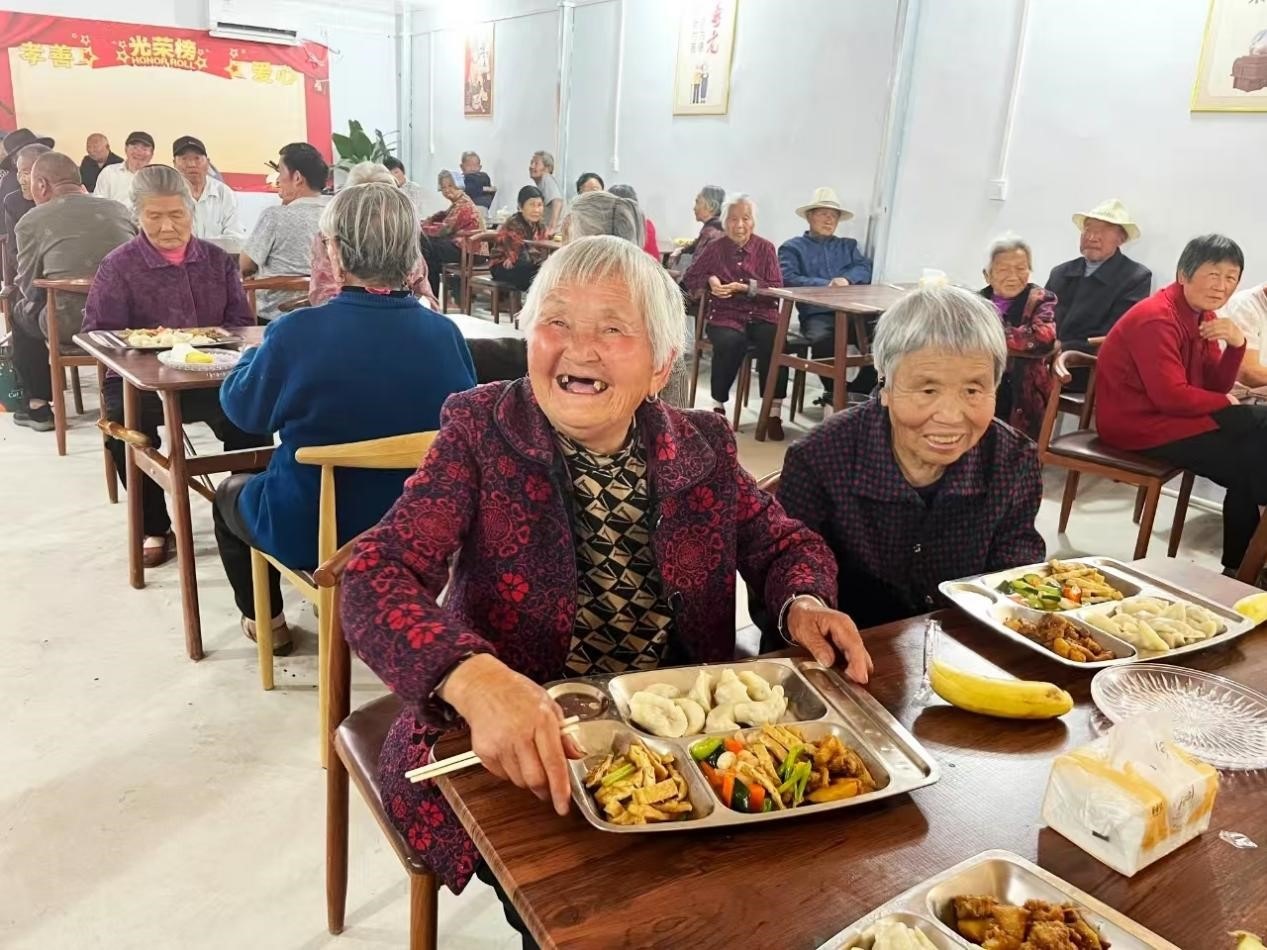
[922, 484]
[166, 277]
[442, 231]
[342, 372]
[1028, 314]
[581, 457]
[708, 213]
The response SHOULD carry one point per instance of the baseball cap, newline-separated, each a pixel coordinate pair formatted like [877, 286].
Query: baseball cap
[142, 137]
[185, 143]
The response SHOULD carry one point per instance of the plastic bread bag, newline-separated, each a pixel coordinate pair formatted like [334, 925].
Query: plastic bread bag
[1132, 796]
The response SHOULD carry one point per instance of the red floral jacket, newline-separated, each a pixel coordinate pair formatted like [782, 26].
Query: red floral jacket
[493, 495]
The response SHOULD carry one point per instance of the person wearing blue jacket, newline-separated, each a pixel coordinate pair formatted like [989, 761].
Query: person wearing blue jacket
[818, 258]
[369, 363]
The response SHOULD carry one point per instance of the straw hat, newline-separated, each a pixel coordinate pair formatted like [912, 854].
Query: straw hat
[1113, 212]
[824, 198]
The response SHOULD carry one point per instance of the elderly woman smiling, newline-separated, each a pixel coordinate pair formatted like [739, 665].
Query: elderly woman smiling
[921, 485]
[579, 457]
[1028, 313]
[443, 228]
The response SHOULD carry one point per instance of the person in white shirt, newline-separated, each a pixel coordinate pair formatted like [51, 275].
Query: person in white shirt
[1249, 309]
[215, 204]
[115, 181]
[417, 194]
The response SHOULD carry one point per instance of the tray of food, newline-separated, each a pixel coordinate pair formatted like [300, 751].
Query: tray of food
[164, 338]
[994, 900]
[732, 743]
[1095, 612]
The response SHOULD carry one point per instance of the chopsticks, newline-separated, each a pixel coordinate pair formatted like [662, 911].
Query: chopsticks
[465, 760]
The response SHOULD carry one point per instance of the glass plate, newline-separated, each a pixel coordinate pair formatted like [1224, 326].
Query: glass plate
[221, 361]
[1216, 719]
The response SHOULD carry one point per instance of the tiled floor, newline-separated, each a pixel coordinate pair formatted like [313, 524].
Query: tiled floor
[150, 802]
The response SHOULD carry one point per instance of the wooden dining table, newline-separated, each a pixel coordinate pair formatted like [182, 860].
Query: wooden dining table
[794, 884]
[852, 306]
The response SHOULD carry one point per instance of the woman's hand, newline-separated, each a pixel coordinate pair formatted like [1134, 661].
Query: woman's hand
[717, 288]
[1223, 328]
[822, 631]
[839, 282]
[514, 727]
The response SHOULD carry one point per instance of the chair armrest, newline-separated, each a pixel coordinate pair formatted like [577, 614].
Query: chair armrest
[329, 573]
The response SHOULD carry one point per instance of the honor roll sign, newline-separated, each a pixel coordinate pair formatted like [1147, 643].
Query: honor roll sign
[69, 78]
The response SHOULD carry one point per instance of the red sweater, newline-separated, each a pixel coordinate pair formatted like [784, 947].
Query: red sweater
[1157, 381]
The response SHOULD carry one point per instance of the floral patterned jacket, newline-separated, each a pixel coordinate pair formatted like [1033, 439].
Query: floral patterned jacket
[493, 496]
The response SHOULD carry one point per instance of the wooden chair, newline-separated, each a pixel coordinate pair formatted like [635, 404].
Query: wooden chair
[497, 290]
[1083, 453]
[298, 283]
[466, 268]
[392, 452]
[61, 361]
[356, 742]
[1255, 558]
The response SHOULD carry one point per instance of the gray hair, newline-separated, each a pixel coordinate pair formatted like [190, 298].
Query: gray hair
[738, 198]
[650, 287]
[624, 191]
[362, 173]
[1005, 244]
[377, 231]
[444, 176]
[714, 196]
[29, 154]
[546, 159]
[943, 318]
[601, 212]
[474, 155]
[159, 181]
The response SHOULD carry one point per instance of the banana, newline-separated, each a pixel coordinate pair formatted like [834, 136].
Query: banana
[1246, 940]
[989, 696]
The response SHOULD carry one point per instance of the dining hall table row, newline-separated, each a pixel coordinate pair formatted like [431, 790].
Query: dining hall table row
[793, 885]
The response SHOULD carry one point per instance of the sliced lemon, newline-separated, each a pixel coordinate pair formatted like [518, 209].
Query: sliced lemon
[1254, 607]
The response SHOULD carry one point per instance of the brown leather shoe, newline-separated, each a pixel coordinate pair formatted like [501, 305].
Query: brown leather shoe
[153, 557]
[282, 644]
[775, 431]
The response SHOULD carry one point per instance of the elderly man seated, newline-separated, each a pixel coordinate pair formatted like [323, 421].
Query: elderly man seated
[541, 171]
[818, 258]
[417, 195]
[98, 156]
[282, 240]
[475, 181]
[1249, 309]
[1096, 288]
[18, 203]
[115, 181]
[66, 234]
[215, 204]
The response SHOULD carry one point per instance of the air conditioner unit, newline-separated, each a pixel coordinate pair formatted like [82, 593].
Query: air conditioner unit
[244, 20]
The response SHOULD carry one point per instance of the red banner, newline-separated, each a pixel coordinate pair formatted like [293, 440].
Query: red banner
[59, 43]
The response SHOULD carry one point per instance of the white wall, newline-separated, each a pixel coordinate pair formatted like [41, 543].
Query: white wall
[1103, 112]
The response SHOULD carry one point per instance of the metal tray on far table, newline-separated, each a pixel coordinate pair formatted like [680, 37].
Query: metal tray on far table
[1010, 879]
[978, 597]
[119, 339]
[819, 702]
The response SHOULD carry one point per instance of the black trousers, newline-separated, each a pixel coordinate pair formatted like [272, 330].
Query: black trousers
[197, 405]
[730, 347]
[437, 252]
[233, 538]
[30, 359]
[485, 874]
[520, 276]
[1235, 456]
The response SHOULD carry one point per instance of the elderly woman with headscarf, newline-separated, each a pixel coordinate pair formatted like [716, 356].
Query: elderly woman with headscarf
[731, 271]
[323, 285]
[343, 372]
[1028, 313]
[923, 484]
[441, 232]
[581, 457]
[166, 277]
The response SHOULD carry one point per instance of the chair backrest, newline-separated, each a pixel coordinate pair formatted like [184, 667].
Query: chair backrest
[701, 315]
[1066, 360]
[63, 285]
[253, 285]
[470, 243]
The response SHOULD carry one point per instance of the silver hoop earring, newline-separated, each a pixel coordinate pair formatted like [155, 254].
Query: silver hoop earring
[653, 398]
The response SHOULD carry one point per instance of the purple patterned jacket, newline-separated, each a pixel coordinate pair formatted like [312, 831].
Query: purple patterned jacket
[493, 494]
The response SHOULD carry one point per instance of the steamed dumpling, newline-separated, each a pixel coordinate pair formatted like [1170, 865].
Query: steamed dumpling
[702, 690]
[666, 690]
[659, 716]
[760, 714]
[721, 719]
[758, 689]
[695, 715]
[730, 689]
[1204, 621]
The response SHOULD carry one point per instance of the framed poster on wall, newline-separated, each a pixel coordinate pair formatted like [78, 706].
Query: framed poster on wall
[1232, 75]
[705, 44]
[477, 64]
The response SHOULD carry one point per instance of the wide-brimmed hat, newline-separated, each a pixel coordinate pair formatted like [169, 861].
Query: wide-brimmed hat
[1112, 212]
[825, 198]
[17, 140]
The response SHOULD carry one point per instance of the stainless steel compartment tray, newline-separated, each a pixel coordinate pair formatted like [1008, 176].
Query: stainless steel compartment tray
[1011, 879]
[977, 597]
[851, 713]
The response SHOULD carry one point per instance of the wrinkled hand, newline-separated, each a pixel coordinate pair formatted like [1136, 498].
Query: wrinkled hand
[514, 727]
[717, 288]
[823, 631]
[839, 282]
[1223, 328]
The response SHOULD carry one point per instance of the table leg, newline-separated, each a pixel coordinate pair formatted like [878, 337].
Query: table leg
[183, 523]
[839, 370]
[772, 378]
[136, 527]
